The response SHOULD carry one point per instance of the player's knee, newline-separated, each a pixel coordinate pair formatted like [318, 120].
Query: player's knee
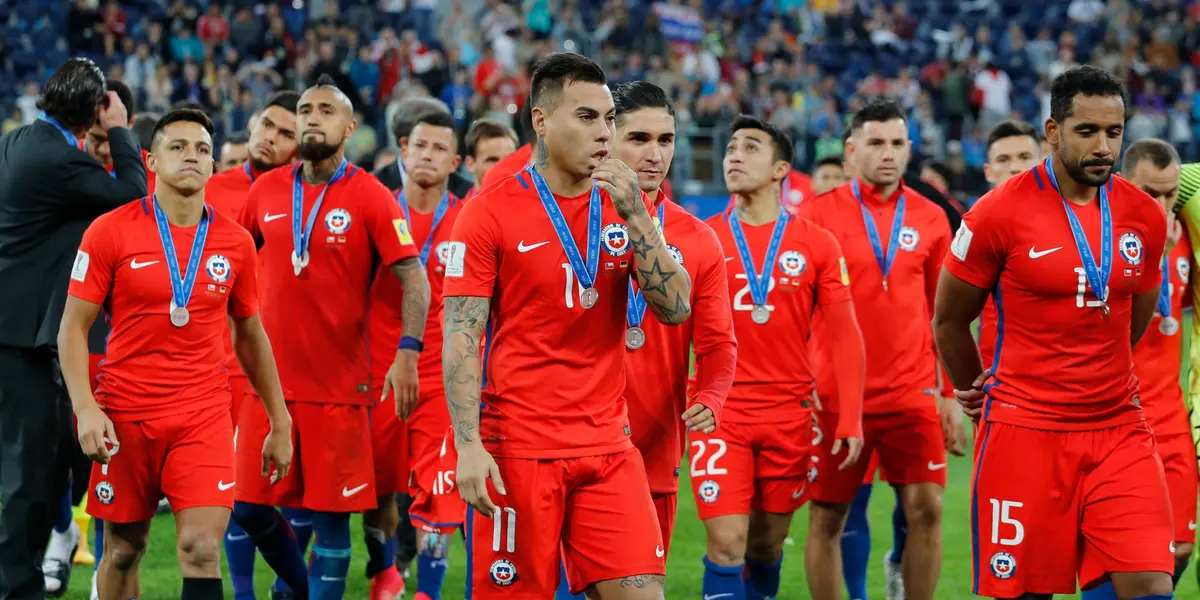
[923, 511]
[124, 553]
[726, 545]
[827, 520]
[198, 549]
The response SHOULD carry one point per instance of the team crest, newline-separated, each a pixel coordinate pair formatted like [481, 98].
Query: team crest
[677, 255]
[443, 252]
[792, 263]
[1131, 248]
[218, 268]
[104, 492]
[503, 572]
[1183, 268]
[337, 221]
[709, 491]
[1004, 566]
[616, 239]
[909, 238]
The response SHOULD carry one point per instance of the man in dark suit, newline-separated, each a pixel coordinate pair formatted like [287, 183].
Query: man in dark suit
[409, 112]
[50, 190]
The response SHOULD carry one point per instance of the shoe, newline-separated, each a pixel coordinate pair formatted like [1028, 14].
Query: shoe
[387, 585]
[895, 578]
[164, 507]
[83, 555]
[56, 565]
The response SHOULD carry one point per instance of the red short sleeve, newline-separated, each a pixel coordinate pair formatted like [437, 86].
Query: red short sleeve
[390, 233]
[978, 251]
[833, 279]
[95, 263]
[243, 301]
[474, 252]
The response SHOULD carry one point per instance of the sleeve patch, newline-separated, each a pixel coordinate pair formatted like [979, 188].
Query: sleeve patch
[402, 231]
[80, 268]
[457, 255]
[962, 242]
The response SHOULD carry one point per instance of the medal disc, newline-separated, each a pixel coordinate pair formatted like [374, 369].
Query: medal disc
[760, 314]
[635, 338]
[1167, 326]
[180, 316]
[589, 297]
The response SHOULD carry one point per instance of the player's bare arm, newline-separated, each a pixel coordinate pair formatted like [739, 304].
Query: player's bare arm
[1144, 305]
[94, 426]
[958, 305]
[465, 320]
[402, 377]
[665, 285]
[253, 351]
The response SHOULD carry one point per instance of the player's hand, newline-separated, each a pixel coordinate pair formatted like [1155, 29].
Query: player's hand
[475, 467]
[96, 432]
[1174, 231]
[853, 450]
[972, 400]
[113, 112]
[277, 454]
[700, 418]
[401, 383]
[952, 428]
[621, 183]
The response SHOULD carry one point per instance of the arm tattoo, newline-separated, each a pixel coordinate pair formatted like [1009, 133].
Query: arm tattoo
[655, 279]
[666, 294]
[414, 308]
[643, 244]
[466, 317]
[643, 581]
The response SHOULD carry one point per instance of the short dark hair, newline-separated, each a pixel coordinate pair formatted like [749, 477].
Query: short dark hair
[878, 110]
[1087, 81]
[410, 110]
[1157, 151]
[124, 93]
[237, 138]
[325, 80]
[285, 99]
[828, 161]
[1011, 128]
[555, 72]
[189, 105]
[782, 141]
[181, 115]
[143, 128]
[940, 168]
[73, 92]
[438, 119]
[486, 129]
[636, 95]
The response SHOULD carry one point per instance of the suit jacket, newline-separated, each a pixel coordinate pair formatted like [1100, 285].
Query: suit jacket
[50, 191]
[389, 175]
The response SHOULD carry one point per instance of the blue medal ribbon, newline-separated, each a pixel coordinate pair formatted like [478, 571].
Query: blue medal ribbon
[1097, 275]
[71, 139]
[885, 261]
[438, 214]
[586, 274]
[759, 281]
[302, 236]
[1164, 293]
[181, 285]
[249, 173]
[635, 309]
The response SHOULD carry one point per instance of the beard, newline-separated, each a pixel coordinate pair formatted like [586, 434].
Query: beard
[260, 166]
[1079, 173]
[317, 151]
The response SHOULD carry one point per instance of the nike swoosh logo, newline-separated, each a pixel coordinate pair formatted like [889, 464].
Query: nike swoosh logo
[221, 485]
[134, 264]
[728, 258]
[233, 538]
[1191, 525]
[934, 467]
[659, 552]
[346, 493]
[267, 218]
[521, 247]
[715, 596]
[300, 523]
[1035, 254]
[334, 579]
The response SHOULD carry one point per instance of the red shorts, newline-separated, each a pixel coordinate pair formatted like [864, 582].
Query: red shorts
[242, 391]
[1178, 454]
[872, 469]
[594, 513]
[437, 506]
[331, 465]
[1050, 506]
[94, 370]
[909, 445]
[397, 445]
[188, 458]
[664, 506]
[751, 466]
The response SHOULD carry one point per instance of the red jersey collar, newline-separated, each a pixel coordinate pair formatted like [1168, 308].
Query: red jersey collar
[870, 193]
[659, 198]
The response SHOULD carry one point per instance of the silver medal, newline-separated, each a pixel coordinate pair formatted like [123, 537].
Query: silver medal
[589, 297]
[179, 316]
[635, 338]
[1168, 326]
[299, 262]
[760, 315]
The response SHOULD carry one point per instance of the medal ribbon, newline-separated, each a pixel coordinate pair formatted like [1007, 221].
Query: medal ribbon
[249, 173]
[586, 274]
[1164, 294]
[71, 139]
[301, 237]
[438, 214]
[885, 261]
[181, 286]
[758, 281]
[635, 309]
[1097, 275]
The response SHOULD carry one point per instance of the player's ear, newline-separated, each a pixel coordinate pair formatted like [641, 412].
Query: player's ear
[351, 127]
[151, 161]
[470, 163]
[538, 117]
[457, 162]
[1050, 128]
[780, 170]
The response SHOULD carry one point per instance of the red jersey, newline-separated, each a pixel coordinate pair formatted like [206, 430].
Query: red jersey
[554, 373]
[508, 166]
[797, 188]
[657, 373]
[384, 323]
[150, 178]
[901, 362]
[774, 367]
[152, 368]
[317, 320]
[1061, 365]
[1157, 356]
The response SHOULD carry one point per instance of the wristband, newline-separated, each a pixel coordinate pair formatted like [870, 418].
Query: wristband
[411, 343]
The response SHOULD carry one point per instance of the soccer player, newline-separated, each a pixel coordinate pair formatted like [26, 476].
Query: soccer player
[752, 472]
[159, 424]
[404, 434]
[543, 260]
[315, 285]
[894, 240]
[234, 151]
[488, 142]
[271, 144]
[392, 174]
[1067, 484]
[828, 174]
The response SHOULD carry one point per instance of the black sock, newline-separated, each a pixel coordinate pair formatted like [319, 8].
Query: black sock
[206, 588]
